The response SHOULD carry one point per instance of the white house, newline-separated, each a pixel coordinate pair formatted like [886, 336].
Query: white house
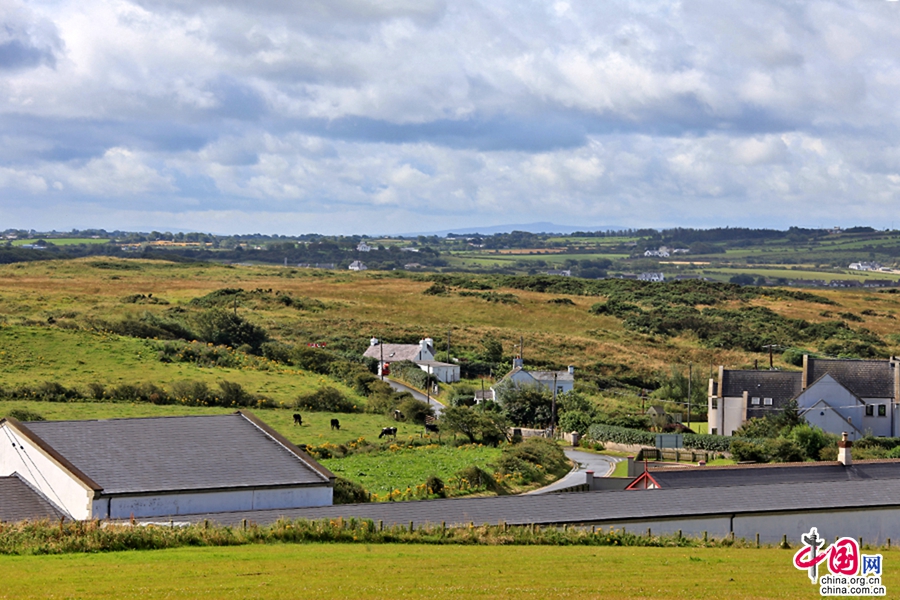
[363, 247]
[422, 354]
[118, 468]
[656, 277]
[843, 395]
[357, 265]
[564, 381]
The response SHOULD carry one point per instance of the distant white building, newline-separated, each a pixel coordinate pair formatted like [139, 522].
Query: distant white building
[563, 380]
[363, 247]
[663, 252]
[357, 265]
[560, 272]
[865, 266]
[422, 354]
[408, 249]
[657, 277]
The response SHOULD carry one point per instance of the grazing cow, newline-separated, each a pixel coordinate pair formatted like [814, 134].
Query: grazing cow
[298, 420]
[399, 416]
[431, 428]
[391, 431]
[335, 424]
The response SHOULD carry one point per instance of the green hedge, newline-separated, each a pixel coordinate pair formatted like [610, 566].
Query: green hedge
[697, 441]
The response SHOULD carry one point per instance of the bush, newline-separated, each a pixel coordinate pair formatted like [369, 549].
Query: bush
[744, 451]
[416, 410]
[435, 485]
[478, 478]
[190, 392]
[232, 394]
[810, 440]
[575, 420]
[325, 399]
[226, 328]
[783, 450]
[23, 414]
[349, 492]
[532, 459]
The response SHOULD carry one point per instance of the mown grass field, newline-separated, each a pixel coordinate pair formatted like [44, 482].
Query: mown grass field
[339, 571]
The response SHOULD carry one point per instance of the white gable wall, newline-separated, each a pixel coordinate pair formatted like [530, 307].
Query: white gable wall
[828, 396]
[43, 473]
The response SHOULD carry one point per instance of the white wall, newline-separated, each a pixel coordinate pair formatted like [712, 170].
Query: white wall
[124, 507]
[43, 473]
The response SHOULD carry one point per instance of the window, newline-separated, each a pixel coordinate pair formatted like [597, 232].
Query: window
[870, 410]
[715, 431]
[882, 410]
[767, 401]
[713, 403]
[754, 400]
[559, 389]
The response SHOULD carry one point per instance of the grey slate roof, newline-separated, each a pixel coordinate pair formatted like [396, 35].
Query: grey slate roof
[737, 475]
[865, 378]
[394, 352]
[20, 502]
[780, 386]
[165, 454]
[597, 507]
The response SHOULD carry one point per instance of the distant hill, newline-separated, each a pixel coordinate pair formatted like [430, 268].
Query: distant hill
[543, 227]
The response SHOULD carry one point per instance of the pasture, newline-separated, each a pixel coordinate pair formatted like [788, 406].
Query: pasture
[363, 571]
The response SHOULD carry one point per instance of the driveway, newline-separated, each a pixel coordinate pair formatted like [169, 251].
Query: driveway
[437, 406]
[600, 464]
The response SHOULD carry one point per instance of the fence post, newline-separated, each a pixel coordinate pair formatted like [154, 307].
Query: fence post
[757, 540]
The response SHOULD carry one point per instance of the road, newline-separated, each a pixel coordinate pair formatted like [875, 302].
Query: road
[437, 406]
[600, 464]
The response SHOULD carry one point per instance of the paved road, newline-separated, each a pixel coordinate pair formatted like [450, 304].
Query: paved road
[600, 464]
[437, 406]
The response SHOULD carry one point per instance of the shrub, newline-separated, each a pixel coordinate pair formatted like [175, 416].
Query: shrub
[435, 485]
[810, 440]
[744, 451]
[23, 414]
[416, 410]
[96, 390]
[532, 458]
[190, 392]
[232, 394]
[277, 351]
[226, 328]
[478, 478]
[325, 399]
[349, 492]
[575, 420]
[783, 450]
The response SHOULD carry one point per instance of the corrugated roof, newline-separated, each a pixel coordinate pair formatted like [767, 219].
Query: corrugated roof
[774, 473]
[865, 378]
[165, 454]
[598, 507]
[20, 502]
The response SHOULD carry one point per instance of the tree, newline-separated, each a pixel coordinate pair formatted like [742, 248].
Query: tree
[226, 328]
[526, 405]
[490, 427]
[493, 349]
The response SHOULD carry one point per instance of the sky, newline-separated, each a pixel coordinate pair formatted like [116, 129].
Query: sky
[392, 116]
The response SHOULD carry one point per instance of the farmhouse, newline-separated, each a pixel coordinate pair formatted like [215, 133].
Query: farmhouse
[156, 466]
[856, 396]
[564, 381]
[422, 354]
[357, 265]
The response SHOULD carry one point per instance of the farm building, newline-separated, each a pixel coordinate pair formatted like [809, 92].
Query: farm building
[156, 466]
[564, 381]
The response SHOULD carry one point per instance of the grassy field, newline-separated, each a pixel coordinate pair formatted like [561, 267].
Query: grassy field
[325, 571]
[63, 241]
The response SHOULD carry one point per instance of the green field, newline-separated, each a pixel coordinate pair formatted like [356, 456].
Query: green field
[326, 571]
[382, 472]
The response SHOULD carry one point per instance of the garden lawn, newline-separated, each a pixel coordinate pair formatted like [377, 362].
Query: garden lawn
[326, 571]
[383, 472]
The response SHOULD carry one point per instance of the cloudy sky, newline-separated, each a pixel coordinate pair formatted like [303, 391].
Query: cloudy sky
[379, 116]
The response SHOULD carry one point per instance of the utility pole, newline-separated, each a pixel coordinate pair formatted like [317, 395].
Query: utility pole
[770, 348]
[381, 366]
[553, 408]
[690, 379]
[448, 344]
[522, 349]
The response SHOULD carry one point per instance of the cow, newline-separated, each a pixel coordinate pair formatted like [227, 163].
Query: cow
[431, 428]
[298, 420]
[335, 424]
[399, 416]
[391, 431]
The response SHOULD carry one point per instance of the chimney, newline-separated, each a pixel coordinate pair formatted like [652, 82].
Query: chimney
[518, 363]
[571, 369]
[589, 480]
[373, 341]
[804, 378]
[844, 450]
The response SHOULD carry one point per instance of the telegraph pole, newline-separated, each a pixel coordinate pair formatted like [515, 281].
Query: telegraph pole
[690, 378]
[381, 366]
[553, 408]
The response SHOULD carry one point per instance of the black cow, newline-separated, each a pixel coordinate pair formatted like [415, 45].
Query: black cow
[335, 424]
[391, 431]
[431, 428]
[298, 420]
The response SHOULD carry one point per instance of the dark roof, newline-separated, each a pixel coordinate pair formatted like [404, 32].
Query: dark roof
[164, 454]
[20, 502]
[394, 352]
[865, 378]
[778, 385]
[735, 475]
[596, 507]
